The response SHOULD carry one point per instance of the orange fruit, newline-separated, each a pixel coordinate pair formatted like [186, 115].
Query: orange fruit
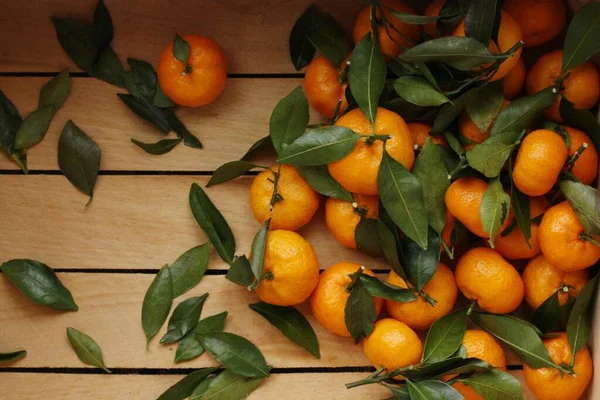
[419, 314]
[509, 34]
[328, 301]
[392, 344]
[300, 202]
[586, 166]
[291, 269]
[480, 344]
[419, 131]
[540, 20]
[323, 88]
[514, 246]
[357, 172]
[550, 383]
[342, 217]
[540, 159]
[205, 80]
[463, 200]
[392, 39]
[560, 240]
[582, 86]
[542, 280]
[513, 82]
[483, 275]
[470, 131]
[433, 10]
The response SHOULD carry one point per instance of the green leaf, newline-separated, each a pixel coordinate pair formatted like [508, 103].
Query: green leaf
[108, 67]
[157, 303]
[34, 127]
[585, 201]
[150, 113]
[480, 18]
[376, 236]
[14, 356]
[322, 182]
[522, 113]
[78, 40]
[177, 126]
[430, 170]
[402, 196]
[418, 91]
[421, 263]
[39, 283]
[78, 158]
[212, 223]
[451, 14]
[449, 366]
[202, 387]
[259, 144]
[184, 388]
[301, 50]
[360, 312]
[229, 386]
[547, 315]
[229, 171]
[520, 336]
[103, 26]
[583, 37]
[449, 111]
[189, 347]
[520, 205]
[329, 39]
[189, 268]
[445, 336]
[141, 81]
[385, 290]
[10, 121]
[578, 326]
[236, 353]
[289, 119]
[86, 348]
[184, 318]
[486, 104]
[366, 75]
[55, 92]
[320, 146]
[259, 246]
[462, 53]
[581, 119]
[366, 237]
[490, 156]
[412, 18]
[240, 272]
[161, 147]
[291, 323]
[494, 209]
[181, 49]
[495, 385]
[432, 390]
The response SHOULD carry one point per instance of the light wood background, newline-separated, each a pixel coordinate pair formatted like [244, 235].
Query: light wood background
[108, 253]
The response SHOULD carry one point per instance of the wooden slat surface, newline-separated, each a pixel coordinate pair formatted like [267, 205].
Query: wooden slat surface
[253, 34]
[134, 222]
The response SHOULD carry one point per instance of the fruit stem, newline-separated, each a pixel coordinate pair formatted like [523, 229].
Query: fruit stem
[463, 164]
[589, 238]
[276, 197]
[575, 157]
[187, 69]
[336, 113]
[372, 138]
[449, 252]
[471, 307]
[427, 298]
[355, 277]
[362, 211]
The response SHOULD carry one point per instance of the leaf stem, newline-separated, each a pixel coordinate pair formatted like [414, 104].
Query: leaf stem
[471, 307]
[463, 164]
[336, 113]
[370, 139]
[276, 197]
[355, 277]
[449, 252]
[571, 162]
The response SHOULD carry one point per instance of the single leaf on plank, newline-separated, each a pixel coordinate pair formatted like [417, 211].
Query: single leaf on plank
[258, 145]
[421, 263]
[55, 92]
[319, 178]
[522, 113]
[360, 313]
[486, 104]
[229, 386]
[189, 347]
[495, 385]
[161, 147]
[189, 268]
[157, 303]
[480, 19]
[86, 348]
[185, 387]
[153, 114]
[291, 323]
[585, 201]
[141, 81]
[366, 75]
[289, 119]
[329, 39]
[402, 196]
[229, 171]
[184, 318]
[583, 37]
[320, 146]
[180, 129]
[578, 326]
[489, 156]
[78, 40]
[103, 26]
[301, 50]
[181, 49]
[235, 353]
[445, 336]
[14, 356]
[547, 315]
[385, 290]
[212, 223]
[10, 121]
[39, 283]
[34, 127]
[582, 119]
[418, 91]
[494, 209]
[240, 272]
[259, 246]
[432, 390]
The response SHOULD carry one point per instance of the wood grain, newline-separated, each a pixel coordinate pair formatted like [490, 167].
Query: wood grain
[253, 34]
[134, 222]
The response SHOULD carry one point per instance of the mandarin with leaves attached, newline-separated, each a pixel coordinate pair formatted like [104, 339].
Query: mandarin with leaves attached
[470, 131]
[585, 167]
[342, 217]
[323, 87]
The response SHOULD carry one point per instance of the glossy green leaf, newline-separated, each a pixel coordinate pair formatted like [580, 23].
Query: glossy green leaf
[486, 104]
[39, 283]
[229, 386]
[184, 318]
[157, 303]
[578, 326]
[445, 336]
[547, 315]
[34, 127]
[328, 37]
[319, 178]
[259, 246]
[432, 390]
[494, 209]
[103, 26]
[360, 313]
[55, 92]
[235, 353]
[585, 201]
[581, 119]
[141, 82]
[412, 19]
[480, 18]
[385, 290]
[386, 239]
[451, 14]
[402, 196]
[14, 356]
[149, 112]
[10, 121]
[495, 385]
[450, 111]
[583, 37]
[189, 268]
[240, 272]
[189, 347]
[181, 49]
[367, 238]
[229, 171]
[320, 146]
[366, 75]
[292, 323]
[185, 387]
[421, 263]
[522, 113]
[108, 67]
[161, 147]
[301, 50]
[289, 119]
[520, 205]
[418, 91]
[489, 156]
[212, 223]
[449, 366]
[86, 348]
[258, 145]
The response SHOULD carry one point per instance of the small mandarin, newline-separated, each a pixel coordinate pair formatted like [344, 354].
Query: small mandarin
[470, 131]
[586, 166]
[300, 202]
[392, 344]
[323, 88]
[342, 217]
[419, 131]
[513, 82]
[540, 20]
[483, 275]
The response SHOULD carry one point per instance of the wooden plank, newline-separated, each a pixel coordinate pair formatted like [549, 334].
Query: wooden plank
[227, 128]
[109, 311]
[134, 222]
[253, 34]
